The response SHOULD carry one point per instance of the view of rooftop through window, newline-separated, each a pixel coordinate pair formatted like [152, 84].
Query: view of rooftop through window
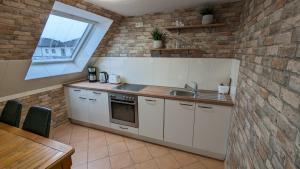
[60, 39]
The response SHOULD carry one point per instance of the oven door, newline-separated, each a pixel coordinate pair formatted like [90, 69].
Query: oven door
[123, 112]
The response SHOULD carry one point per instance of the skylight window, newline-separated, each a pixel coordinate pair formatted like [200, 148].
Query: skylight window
[62, 36]
[68, 41]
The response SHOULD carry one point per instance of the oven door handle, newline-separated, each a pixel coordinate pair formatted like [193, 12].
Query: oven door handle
[115, 101]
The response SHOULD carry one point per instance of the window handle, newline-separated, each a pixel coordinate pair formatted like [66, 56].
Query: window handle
[82, 98]
[92, 100]
[97, 93]
[76, 90]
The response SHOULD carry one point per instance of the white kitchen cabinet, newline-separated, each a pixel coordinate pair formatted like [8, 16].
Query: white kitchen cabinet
[211, 127]
[78, 104]
[98, 108]
[151, 117]
[124, 128]
[179, 122]
[89, 106]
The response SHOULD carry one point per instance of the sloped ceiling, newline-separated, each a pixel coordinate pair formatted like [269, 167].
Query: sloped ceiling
[140, 7]
[21, 23]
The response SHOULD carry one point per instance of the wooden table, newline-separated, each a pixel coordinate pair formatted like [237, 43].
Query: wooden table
[22, 149]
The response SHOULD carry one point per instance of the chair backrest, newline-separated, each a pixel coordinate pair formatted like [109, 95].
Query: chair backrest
[38, 121]
[11, 114]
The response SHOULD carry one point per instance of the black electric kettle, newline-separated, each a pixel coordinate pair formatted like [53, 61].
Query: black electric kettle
[103, 77]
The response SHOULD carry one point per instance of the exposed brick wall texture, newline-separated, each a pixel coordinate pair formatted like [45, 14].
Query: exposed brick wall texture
[22, 22]
[133, 41]
[53, 99]
[266, 121]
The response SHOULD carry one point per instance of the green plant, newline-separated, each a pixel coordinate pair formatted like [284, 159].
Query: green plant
[158, 35]
[208, 10]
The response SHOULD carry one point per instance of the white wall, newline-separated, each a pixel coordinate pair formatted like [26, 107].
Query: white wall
[173, 72]
[234, 72]
[13, 72]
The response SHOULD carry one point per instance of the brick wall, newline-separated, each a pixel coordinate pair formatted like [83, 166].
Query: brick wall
[266, 121]
[216, 42]
[22, 22]
[53, 99]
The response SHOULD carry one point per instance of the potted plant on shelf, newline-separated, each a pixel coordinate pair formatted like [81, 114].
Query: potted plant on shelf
[158, 38]
[207, 14]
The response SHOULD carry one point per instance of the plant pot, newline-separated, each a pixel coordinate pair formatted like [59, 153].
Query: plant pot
[207, 19]
[157, 44]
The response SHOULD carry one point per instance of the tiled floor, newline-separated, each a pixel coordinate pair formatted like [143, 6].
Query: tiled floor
[95, 149]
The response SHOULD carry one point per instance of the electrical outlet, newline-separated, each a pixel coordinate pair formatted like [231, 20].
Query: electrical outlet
[139, 24]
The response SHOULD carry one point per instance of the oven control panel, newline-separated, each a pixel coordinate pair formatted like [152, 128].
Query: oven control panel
[123, 97]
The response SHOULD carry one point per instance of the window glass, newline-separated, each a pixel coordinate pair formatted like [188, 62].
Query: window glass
[60, 39]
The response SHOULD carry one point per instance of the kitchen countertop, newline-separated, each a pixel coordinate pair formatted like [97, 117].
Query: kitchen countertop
[208, 97]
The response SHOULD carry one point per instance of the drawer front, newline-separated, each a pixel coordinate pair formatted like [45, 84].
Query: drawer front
[124, 128]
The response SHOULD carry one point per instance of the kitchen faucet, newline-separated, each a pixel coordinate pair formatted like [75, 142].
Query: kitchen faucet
[194, 89]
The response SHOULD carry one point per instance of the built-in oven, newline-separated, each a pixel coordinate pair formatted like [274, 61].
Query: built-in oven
[123, 109]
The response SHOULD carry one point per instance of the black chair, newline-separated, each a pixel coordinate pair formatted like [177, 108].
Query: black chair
[38, 121]
[11, 114]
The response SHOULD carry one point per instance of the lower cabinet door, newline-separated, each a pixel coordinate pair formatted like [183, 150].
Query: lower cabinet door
[78, 104]
[151, 117]
[211, 127]
[98, 108]
[179, 122]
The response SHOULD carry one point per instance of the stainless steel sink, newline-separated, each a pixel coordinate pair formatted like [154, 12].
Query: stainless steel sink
[182, 93]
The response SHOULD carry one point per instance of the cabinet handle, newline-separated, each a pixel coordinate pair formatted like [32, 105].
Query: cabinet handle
[76, 90]
[150, 100]
[205, 107]
[184, 104]
[82, 98]
[97, 93]
[92, 100]
[124, 128]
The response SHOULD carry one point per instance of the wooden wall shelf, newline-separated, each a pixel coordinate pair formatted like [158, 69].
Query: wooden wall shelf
[194, 26]
[173, 52]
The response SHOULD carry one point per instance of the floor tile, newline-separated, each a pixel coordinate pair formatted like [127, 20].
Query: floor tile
[97, 153]
[121, 160]
[134, 144]
[80, 166]
[78, 136]
[100, 164]
[210, 163]
[97, 142]
[93, 133]
[167, 162]
[80, 146]
[197, 165]
[184, 158]
[130, 167]
[79, 157]
[156, 150]
[100, 149]
[113, 138]
[151, 164]
[117, 148]
[140, 155]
